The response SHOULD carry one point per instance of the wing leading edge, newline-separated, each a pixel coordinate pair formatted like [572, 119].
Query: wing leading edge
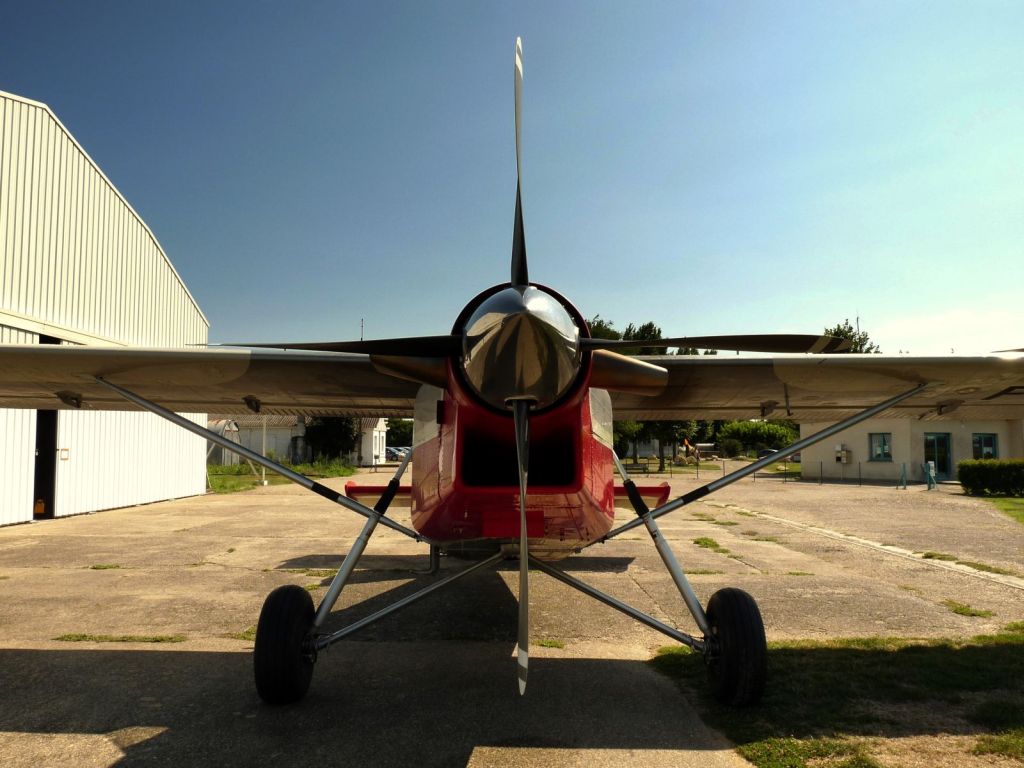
[812, 388]
[200, 380]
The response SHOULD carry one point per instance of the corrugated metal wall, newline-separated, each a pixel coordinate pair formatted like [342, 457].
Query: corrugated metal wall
[78, 263]
[109, 460]
[17, 449]
[73, 253]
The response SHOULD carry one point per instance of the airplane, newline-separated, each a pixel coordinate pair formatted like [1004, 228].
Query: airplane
[512, 454]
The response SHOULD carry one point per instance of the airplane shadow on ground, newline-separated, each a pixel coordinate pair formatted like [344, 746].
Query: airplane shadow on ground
[386, 704]
[433, 704]
[480, 607]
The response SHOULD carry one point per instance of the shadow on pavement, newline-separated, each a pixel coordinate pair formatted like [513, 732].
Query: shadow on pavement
[381, 704]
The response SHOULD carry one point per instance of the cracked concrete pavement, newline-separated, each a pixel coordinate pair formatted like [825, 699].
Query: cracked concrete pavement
[435, 684]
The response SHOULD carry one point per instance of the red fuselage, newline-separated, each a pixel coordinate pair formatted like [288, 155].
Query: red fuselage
[464, 481]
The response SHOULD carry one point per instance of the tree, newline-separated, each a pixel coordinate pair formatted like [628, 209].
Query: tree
[647, 331]
[860, 340]
[755, 435]
[331, 437]
[399, 432]
[669, 433]
[625, 435]
[602, 329]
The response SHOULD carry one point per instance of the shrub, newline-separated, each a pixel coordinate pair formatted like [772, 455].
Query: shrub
[755, 435]
[730, 447]
[992, 477]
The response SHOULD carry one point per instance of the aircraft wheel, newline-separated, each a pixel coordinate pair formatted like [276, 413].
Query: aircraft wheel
[737, 658]
[282, 665]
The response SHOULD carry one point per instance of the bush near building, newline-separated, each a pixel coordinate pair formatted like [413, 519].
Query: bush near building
[992, 477]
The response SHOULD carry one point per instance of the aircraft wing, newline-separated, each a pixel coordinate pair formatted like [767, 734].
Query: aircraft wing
[201, 380]
[811, 388]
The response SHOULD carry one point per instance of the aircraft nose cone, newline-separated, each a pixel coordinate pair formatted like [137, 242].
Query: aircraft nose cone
[521, 343]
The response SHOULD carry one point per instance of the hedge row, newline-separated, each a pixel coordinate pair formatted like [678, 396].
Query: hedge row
[991, 477]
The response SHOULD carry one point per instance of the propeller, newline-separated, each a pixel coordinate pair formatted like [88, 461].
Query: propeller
[520, 274]
[521, 407]
[764, 342]
[520, 417]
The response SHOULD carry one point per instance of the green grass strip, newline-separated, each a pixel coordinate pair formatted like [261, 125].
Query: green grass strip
[86, 638]
[826, 701]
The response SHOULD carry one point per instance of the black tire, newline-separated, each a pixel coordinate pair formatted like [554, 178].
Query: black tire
[737, 658]
[282, 667]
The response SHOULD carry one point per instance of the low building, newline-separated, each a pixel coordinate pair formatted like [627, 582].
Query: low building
[371, 443]
[285, 436]
[891, 449]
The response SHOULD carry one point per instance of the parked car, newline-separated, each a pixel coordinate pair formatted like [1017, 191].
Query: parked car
[766, 452]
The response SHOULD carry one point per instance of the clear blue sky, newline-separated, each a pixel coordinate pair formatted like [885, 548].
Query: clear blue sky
[716, 167]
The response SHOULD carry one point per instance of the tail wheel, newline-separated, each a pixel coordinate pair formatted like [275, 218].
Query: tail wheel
[282, 662]
[737, 656]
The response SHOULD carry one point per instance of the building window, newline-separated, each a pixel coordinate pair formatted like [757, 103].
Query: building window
[986, 445]
[880, 446]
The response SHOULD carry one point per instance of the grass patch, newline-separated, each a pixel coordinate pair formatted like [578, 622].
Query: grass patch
[755, 536]
[987, 568]
[104, 567]
[4, 578]
[708, 543]
[86, 638]
[783, 753]
[969, 563]
[311, 587]
[1010, 506]
[1010, 744]
[229, 478]
[249, 635]
[703, 572]
[827, 702]
[724, 522]
[937, 556]
[798, 573]
[963, 609]
[550, 643]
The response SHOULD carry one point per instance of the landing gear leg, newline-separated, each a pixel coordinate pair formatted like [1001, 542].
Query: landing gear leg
[735, 650]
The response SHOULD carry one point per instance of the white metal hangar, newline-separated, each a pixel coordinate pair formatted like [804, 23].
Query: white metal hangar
[79, 266]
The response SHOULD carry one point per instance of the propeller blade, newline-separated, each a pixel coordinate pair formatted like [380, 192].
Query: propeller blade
[764, 342]
[520, 276]
[520, 416]
[417, 346]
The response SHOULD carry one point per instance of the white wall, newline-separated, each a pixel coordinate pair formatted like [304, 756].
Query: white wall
[17, 450]
[907, 441]
[117, 459]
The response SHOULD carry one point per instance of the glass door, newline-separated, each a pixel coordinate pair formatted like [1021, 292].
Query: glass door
[937, 449]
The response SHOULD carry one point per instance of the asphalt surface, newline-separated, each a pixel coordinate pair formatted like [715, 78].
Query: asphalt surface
[435, 684]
